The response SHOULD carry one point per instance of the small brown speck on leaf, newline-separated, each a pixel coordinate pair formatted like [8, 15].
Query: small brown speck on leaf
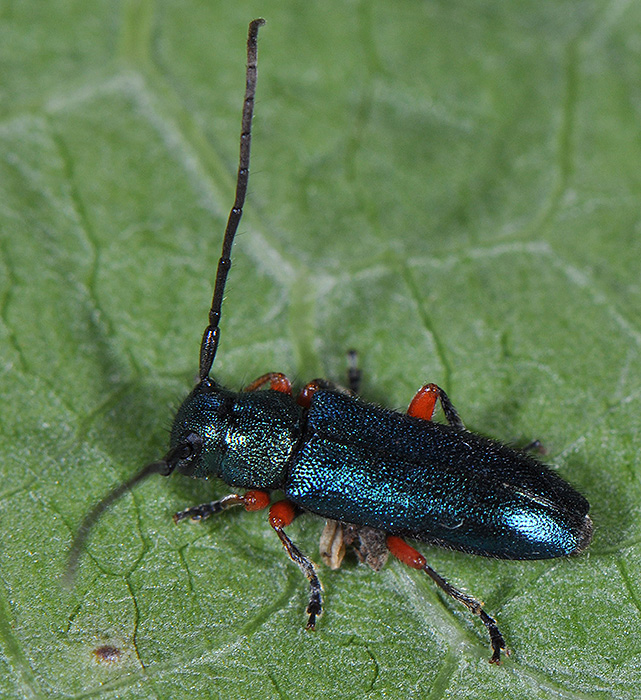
[107, 654]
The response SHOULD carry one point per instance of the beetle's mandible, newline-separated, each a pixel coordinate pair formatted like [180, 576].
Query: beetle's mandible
[389, 476]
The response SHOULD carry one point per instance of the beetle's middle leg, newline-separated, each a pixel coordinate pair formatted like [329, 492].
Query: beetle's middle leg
[408, 555]
[354, 375]
[423, 405]
[282, 514]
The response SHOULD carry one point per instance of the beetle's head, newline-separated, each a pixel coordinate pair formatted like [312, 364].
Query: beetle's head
[197, 444]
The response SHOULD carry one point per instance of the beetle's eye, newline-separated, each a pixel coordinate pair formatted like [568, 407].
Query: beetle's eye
[189, 447]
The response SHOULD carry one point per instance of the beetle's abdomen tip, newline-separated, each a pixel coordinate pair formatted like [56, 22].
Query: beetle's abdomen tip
[585, 535]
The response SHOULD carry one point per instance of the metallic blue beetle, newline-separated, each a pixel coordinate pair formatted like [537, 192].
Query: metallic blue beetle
[351, 461]
[387, 474]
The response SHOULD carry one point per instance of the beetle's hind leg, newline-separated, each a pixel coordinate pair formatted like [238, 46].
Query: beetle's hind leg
[408, 555]
[423, 405]
[474, 606]
[282, 514]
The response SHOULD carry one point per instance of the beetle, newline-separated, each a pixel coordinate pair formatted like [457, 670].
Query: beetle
[390, 476]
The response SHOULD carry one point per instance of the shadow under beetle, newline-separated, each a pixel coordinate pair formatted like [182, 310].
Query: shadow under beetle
[391, 476]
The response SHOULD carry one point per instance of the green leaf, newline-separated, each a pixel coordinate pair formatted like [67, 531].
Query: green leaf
[451, 188]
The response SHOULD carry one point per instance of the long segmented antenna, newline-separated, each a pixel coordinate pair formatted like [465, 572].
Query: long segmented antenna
[209, 343]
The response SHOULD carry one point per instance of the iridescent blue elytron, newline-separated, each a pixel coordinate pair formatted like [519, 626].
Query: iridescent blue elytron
[387, 476]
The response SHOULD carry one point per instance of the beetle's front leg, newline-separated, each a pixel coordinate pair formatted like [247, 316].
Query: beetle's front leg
[277, 382]
[408, 555]
[252, 500]
[282, 514]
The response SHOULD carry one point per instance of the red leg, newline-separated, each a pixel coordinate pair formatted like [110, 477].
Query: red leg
[281, 514]
[277, 382]
[408, 555]
[304, 398]
[353, 382]
[424, 403]
[252, 500]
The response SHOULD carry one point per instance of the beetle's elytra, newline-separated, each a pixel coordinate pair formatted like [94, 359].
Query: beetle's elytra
[387, 476]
